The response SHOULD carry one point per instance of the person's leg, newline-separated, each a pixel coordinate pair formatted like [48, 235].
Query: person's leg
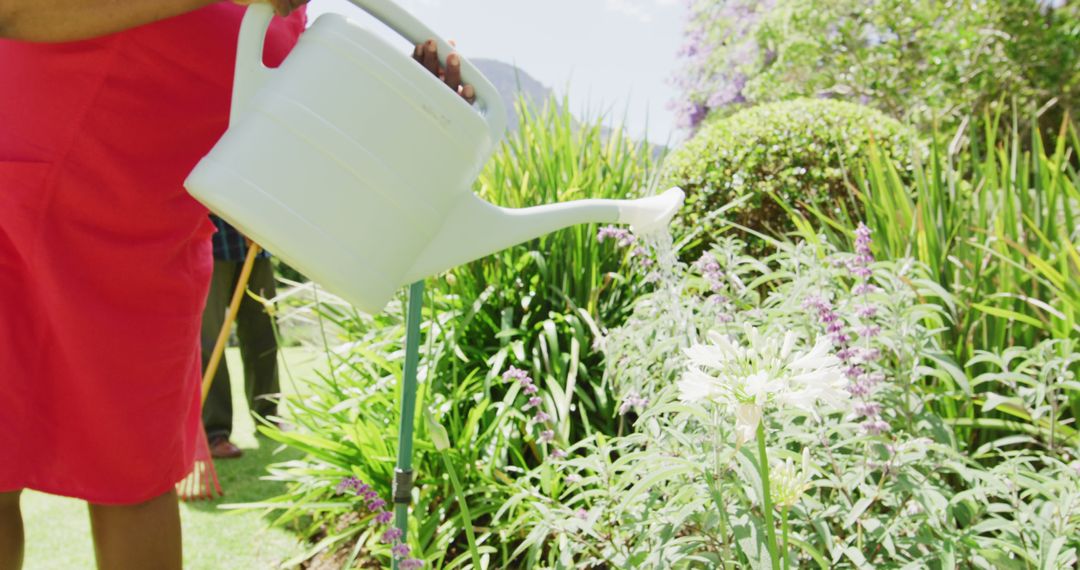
[258, 345]
[217, 411]
[11, 531]
[135, 537]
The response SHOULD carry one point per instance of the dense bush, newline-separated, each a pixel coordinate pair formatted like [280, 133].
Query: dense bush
[917, 61]
[798, 150]
[996, 226]
[899, 393]
[795, 434]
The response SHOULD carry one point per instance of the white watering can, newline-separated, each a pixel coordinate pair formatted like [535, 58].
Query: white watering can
[353, 163]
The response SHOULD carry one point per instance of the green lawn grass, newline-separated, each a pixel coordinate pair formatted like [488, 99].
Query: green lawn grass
[58, 528]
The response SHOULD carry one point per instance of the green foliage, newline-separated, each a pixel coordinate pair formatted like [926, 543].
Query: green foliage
[539, 306]
[996, 226]
[1046, 44]
[956, 450]
[914, 60]
[679, 492]
[799, 151]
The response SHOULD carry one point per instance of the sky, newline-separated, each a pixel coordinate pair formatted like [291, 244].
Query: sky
[612, 57]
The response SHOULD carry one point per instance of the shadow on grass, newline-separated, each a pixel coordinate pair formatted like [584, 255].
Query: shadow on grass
[242, 478]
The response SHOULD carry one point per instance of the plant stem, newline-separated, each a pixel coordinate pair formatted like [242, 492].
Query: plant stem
[718, 490]
[460, 496]
[784, 527]
[766, 496]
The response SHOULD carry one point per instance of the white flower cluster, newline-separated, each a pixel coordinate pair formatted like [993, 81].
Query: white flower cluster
[757, 370]
[787, 483]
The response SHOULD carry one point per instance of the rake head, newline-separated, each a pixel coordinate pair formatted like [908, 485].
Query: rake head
[202, 483]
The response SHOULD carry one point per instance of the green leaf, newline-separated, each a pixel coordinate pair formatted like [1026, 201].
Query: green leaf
[1008, 314]
[857, 510]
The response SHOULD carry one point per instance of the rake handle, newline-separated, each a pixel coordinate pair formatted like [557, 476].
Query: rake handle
[234, 308]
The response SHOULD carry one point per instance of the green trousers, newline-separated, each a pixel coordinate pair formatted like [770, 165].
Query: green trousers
[258, 346]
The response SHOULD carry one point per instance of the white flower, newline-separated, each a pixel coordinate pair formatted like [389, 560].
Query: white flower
[747, 418]
[760, 370]
[816, 376]
[696, 386]
[787, 484]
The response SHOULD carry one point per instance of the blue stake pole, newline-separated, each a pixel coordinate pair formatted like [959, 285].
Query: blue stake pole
[403, 473]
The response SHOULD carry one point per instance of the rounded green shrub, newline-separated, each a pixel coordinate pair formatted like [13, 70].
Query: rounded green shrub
[803, 151]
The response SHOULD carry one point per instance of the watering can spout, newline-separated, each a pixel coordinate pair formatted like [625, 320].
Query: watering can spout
[475, 228]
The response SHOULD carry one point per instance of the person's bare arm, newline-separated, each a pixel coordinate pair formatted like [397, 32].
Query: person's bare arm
[69, 20]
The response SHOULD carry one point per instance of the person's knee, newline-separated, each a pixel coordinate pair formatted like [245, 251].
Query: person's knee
[166, 501]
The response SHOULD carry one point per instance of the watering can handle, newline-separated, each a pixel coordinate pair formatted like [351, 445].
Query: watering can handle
[251, 73]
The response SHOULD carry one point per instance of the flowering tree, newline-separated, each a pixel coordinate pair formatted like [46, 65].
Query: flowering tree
[915, 60]
[720, 53]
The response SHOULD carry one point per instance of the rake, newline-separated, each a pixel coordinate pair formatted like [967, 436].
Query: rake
[202, 482]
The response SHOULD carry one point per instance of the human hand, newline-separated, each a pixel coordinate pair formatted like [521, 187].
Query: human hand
[282, 7]
[427, 55]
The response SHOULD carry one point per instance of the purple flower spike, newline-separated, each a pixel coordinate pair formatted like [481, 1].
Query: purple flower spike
[858, 389]
[864, 289]
[531, 389]
[400, 550]
[633, 401]
[869, 331]
[533, 402]
[541, 417]
[862, 241]
[875, 427]
[376, 505]
[391, 535]
[547, 436]
[558, 454]
[621, 235]
[516, 374]
[384, 517]
[861, 272]
[346, 484]
[411, 564]
[868, 409]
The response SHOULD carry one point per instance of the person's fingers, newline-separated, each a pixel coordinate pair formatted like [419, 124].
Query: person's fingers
[453, 72]
[427, 55]
[431, 57]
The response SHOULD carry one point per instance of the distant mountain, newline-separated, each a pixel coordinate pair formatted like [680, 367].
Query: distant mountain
[511, 81]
